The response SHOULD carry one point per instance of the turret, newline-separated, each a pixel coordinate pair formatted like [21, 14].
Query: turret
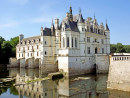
[71, 15]
[107, 33]
[21, 36]
[52, 29]
[81, 28]
[80, 19]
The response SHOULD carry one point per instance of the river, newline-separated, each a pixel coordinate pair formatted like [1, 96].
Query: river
[83, 86]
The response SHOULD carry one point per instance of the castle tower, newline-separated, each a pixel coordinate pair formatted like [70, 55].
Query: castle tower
[81, 27]
[107, 32]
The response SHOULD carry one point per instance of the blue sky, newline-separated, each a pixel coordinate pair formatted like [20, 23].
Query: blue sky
[27, 16]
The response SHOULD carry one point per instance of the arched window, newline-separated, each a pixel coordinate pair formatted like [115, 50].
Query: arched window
[72, 41]
[63, 42]
[75, 42]
[67, 41]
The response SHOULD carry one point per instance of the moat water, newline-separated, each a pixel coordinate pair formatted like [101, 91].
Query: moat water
[83, 86]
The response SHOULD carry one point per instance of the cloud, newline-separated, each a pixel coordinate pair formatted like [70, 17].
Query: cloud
[38, 20]
[19, 2]
[9, 25]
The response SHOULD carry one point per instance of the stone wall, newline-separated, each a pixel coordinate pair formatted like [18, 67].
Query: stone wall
[102, 63]
[13, 62]
[119, 72]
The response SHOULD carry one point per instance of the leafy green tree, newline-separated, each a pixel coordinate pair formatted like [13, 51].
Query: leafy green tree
[6, 51]
[14, 41]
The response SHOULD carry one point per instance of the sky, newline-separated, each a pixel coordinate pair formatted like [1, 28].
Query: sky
[28, 16]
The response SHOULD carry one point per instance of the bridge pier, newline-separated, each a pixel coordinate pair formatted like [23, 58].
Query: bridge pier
[30, 63]
[22, 62]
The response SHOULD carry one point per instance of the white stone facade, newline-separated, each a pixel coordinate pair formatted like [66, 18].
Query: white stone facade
[72, 45]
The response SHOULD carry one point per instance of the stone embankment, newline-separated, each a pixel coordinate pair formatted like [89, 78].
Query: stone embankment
[119, 72]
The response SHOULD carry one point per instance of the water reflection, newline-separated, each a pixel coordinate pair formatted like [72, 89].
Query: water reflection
[87, 86]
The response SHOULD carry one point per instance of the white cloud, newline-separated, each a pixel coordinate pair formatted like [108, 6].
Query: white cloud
[38, 20]
[9, 25]
[19, 2]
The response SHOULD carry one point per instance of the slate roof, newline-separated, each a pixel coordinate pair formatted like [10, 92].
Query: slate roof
[71, 26]
[32, 38]
[80, 18]
[106, 27]
[47, 32]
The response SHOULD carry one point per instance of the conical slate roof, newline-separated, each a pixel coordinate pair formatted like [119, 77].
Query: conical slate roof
[80, 19]
[106, 27]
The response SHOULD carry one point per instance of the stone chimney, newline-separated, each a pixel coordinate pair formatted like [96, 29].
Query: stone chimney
[21, 36]
[56, 24]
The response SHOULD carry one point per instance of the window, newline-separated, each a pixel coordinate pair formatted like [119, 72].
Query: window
[45, 42]
[19, 49]
[23, 48]
[63, 42]
[72, 41]
[88, 28]
[82, 29]
[37, 46]
[28, 54]
[75, 42]
[37, 53]
[102, 41]
[28, 47]
[84, 39]
[45, 53]
[19, 54]
[32, 47]
[88, 50]
[67, 41]
[22, 55]
[102, 50]
[84, 51]
[88, 39]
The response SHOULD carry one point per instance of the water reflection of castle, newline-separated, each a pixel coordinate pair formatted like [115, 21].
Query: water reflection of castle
[75, 87]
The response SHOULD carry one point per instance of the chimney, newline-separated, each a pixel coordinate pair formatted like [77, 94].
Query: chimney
[56, 24]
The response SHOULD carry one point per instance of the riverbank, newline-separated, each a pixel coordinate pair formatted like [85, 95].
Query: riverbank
[3, 65]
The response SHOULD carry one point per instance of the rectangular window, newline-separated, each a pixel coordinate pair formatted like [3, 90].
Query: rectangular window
[75, 42]
[72, 41]
[67, 41]
[37, 46]
[102, 50]
[63, 42]
[88, 39]
[19, 49]
[102, 41]
[37, 53]
[28, 54]
[88, 50]
[28, 47]
[88, 28]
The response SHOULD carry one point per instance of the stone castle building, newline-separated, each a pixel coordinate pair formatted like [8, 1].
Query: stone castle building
[74, 46]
